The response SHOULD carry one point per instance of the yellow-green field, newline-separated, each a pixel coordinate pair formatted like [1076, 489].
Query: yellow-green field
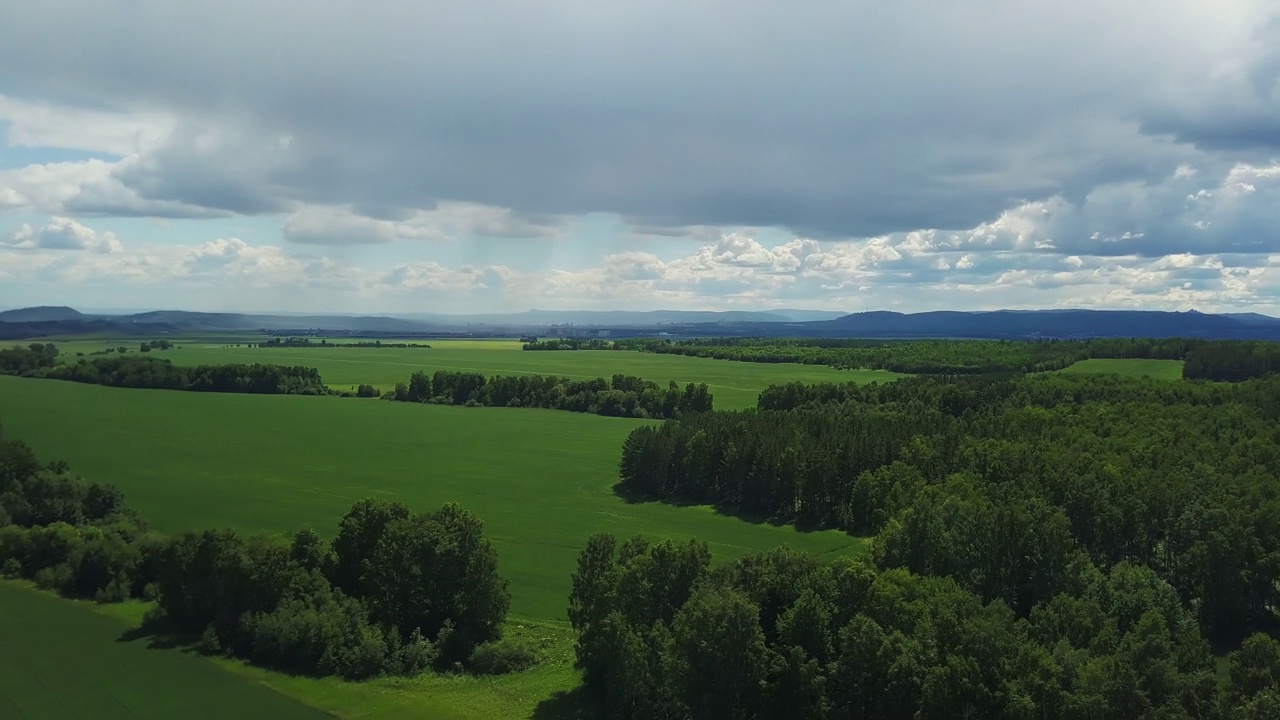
[734, 385]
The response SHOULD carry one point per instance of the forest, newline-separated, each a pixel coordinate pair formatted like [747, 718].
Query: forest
[396, 593]
[1010, 486]
[935, 357]
[619, 396]
[663, 634]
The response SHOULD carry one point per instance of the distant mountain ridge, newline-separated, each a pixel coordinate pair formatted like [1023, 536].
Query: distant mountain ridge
[997, 324]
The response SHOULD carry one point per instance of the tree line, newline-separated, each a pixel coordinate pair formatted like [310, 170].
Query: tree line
[139, 371]
[395, 593]
[663, 634]
[20, 360]
[936, 357]
[1007, 484]
[303, 342]
[569, 344]
[619, 396]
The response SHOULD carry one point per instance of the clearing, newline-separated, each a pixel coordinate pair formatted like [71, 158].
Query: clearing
[1129, 367]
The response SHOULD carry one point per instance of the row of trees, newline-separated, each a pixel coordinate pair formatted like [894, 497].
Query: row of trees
[149, 372]
[304, 342]
[1006, 484]
[20, 360]
[619, 396]
[395, 593]
[663, 635]
[937, 357]
[569, 344]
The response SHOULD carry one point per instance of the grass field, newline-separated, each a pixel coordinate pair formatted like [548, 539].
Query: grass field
[1131, 367]
[60, 659]
[734, 385]
[540, 479]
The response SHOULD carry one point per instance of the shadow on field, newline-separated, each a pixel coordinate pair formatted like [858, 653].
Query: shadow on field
[158, 637]
[632, 497]
[571, 705]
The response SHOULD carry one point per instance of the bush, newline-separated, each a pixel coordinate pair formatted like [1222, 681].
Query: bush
[56, 578]
[209, 644]
[12, 568]
[500, 657]
[114, 592]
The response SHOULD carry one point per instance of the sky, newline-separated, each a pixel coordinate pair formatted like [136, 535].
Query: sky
[499, 156]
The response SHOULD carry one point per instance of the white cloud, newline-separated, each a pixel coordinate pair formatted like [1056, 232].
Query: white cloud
[42, 124]
[62, 233]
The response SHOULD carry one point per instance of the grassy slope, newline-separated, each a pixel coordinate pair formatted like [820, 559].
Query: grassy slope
[1133, 367]
[540, 479]
[734, 385]
[60, 660]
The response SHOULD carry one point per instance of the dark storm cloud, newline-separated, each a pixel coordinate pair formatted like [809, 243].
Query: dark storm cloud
[831, 119]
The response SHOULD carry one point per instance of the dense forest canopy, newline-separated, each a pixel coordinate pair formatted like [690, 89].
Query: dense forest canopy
[1009, 484]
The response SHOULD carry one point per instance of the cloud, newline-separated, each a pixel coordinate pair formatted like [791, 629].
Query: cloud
[447, 221]
[42, 124]
[87, 187]
[62, 233]
[841, 121]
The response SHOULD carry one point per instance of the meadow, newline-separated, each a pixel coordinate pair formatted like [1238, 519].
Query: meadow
[1129, 367]
[735, 385]
[63, 659]
[542, 480]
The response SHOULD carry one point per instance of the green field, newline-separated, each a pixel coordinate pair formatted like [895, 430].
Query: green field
[540, 479]
[734, 385]
[60, 659]
[1130, 367]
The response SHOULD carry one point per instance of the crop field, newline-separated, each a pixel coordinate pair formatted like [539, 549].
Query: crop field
[64, 660]
[540, 479]
[1129, 367]
[734, 385]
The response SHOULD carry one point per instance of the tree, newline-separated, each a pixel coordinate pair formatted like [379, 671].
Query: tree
[720, 658]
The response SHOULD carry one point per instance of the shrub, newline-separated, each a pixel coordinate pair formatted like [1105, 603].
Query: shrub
[56, 578]
[209, 644]
[500, 657]
[115, 591]
[12, 568]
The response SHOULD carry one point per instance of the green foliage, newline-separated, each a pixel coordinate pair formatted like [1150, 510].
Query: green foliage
[500, 657]
[622, 396]
[156, 373]
[25, 360]
[1232, 361]
[783, 635]
[934, 357]
[1009, 485]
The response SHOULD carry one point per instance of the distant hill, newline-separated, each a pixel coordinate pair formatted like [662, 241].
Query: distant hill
[1013, 324]
[40, 314]
[999, 324]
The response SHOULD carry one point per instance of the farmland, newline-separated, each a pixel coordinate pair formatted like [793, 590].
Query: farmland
[541, 480]
[734, 385]
[1129, 367]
